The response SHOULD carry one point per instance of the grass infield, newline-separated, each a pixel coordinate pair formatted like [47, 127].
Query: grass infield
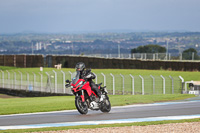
[187, 75]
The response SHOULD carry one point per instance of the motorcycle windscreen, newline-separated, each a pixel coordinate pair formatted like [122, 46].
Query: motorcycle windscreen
[75, 77]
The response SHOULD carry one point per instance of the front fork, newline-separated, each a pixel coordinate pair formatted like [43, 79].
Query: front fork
[82, 96]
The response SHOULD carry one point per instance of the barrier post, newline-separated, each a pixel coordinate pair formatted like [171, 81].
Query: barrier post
[133, 89]
[27, 75]
[49, 81]
[113, 83]
[63, 81]
[104, 76]
[41, 77]
[153, 83]
[55, 81]
[182, 81]
[172, 84]
[14, 80]
[95, 78]
[2, 79]
[122, 83]
[70, 74]
[34, 80]
[142, 84]
[20, 79]
[163, 83]
[8, 78]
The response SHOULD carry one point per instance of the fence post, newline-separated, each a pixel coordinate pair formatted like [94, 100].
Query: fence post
[8, 78]
[48, 81]
[182, 81]
[113, 83]
[21, 80]
[133, 89]
[70, 74]
[104, 76]
[63, 81]
[122, 83]
[34, 80]
[2, 79]
[12, 81]
[163, 83]
[55, 81]
[95, 78]
[27, 75]
[153, 84]
[15, 80]
[41, 77]
[172, 84]
[142, 84]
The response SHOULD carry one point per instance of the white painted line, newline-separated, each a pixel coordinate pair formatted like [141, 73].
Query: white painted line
[101, 122]
[155, 104]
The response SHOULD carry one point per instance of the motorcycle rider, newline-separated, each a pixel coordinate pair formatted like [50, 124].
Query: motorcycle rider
[88, 76]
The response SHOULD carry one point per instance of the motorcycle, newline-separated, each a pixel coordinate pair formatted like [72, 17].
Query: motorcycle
[85, 97]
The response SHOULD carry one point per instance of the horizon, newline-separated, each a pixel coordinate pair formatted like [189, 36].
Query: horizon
[98, 32]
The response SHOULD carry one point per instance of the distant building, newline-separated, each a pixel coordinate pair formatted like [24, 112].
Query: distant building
[38, 46]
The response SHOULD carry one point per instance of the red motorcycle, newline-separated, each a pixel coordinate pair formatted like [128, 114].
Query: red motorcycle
[86, 98]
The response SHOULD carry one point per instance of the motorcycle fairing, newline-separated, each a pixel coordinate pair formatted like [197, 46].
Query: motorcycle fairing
[87, 87]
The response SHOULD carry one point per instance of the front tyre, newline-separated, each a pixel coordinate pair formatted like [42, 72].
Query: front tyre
[105, 105]
[81, 106]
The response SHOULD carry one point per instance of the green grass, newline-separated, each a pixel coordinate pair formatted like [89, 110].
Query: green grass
[99, 126]
[56, 103]
[187, 75]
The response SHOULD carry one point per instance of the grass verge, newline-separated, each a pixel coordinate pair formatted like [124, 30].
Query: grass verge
[187, 75]
[56, 103]
[100, 126]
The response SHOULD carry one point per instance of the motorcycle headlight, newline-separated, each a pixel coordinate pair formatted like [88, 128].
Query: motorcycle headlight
[80, 83]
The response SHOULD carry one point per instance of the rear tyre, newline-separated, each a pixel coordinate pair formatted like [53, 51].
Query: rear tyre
[105, 105]
[81, 106]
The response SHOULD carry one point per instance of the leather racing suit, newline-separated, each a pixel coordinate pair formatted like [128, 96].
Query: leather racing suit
[88, 76]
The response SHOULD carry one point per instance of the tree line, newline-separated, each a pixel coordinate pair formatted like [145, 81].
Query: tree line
[187, 54]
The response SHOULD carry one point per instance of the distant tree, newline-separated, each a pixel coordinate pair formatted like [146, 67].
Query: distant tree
[188, 53]
[151, 48]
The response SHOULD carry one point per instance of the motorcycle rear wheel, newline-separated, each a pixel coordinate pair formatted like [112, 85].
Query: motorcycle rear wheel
[81, 106]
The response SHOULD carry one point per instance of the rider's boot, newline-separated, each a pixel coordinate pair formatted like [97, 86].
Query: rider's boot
[101, 98]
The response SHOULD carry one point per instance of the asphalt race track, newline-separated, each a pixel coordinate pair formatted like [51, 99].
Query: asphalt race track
[166, 109]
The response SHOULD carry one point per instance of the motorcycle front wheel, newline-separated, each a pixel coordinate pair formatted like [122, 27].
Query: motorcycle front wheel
[105, 105]
[81, 106]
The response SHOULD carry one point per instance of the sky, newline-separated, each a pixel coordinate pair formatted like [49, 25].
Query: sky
[65, 16]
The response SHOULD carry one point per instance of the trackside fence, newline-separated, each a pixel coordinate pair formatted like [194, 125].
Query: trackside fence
[117, 84]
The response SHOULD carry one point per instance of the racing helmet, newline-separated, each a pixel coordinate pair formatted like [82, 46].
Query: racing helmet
[80, 66]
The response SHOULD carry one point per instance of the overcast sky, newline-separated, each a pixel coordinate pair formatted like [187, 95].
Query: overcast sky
[57, 16]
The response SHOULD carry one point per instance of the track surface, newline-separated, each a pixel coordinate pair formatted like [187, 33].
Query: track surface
[188, 107]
